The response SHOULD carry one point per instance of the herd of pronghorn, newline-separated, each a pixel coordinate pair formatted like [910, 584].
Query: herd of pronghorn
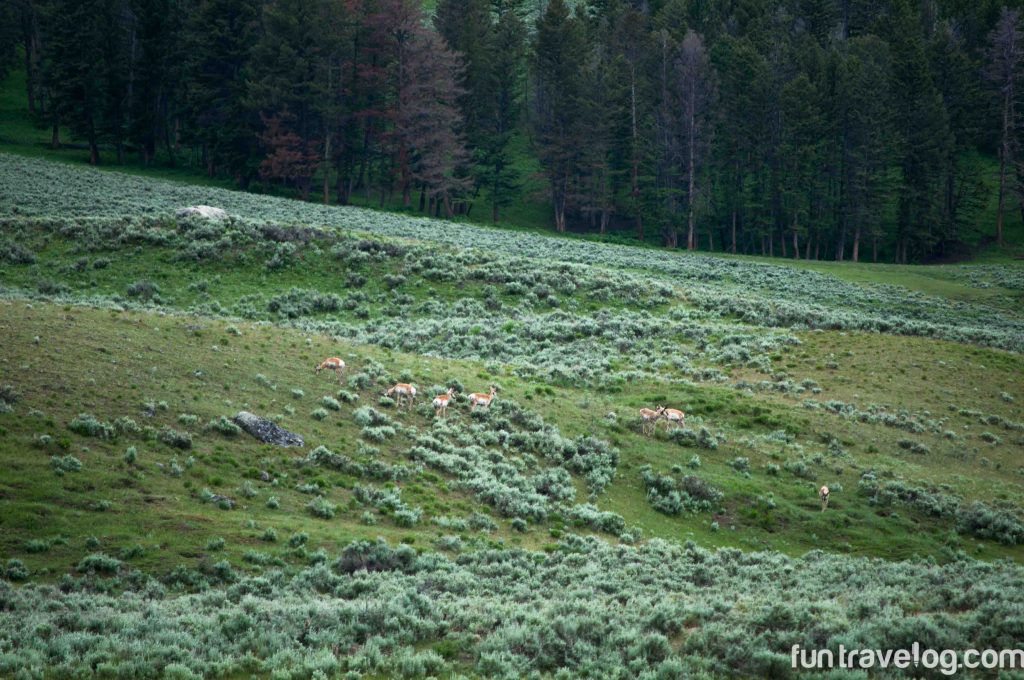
[405, 392]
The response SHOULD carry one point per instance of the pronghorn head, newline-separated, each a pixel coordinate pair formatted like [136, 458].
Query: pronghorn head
[823, 492]
[494, 390]
[389, 392]
[316, 369]
[659, 410]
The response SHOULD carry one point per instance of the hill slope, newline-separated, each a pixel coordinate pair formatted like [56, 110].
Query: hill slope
[907, 404]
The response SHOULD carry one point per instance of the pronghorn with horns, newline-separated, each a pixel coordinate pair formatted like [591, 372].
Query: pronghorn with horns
[480, 399]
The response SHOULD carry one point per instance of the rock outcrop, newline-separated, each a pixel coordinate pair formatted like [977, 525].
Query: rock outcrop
[266, 431]
[205, 211]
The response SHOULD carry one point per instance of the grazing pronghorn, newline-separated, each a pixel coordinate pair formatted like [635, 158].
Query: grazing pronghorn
[478, 399]
[674, 416]
[441, 402]
[402, 390]
[333, 364]
[823, 494]
[649, 418]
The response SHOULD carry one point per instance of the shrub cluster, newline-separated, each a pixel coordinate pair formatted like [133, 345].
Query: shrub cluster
[672, 495]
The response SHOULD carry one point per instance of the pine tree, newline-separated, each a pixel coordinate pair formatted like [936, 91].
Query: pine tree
[10, 35]
[76, 35]
[694, 78]
[800, 154]
[502, 96]
[286, 86]
[864, 97]
[289, 157]
[558, 78]
[956, 77]
[425, 139]
[218, 44]
[924, 133]
[156, 75]
[1005, 70]
[742, 134]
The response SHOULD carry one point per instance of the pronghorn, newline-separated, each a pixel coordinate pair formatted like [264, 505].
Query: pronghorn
[674, 416]
[823, 494]
[402, 390]
[441, 402]
[649, 418]
[333, 364]
[478, 399]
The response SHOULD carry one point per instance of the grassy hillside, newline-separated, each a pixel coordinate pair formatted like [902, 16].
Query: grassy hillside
[130, 337]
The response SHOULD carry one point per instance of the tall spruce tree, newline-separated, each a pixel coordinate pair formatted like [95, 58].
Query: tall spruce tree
[921, 122]
[558, 96]
[76, 36]
[219, 36]
[1005, 71]
[501, 95]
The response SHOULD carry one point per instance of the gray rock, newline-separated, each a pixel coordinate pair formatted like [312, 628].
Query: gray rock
[265, 430]
[205, 211]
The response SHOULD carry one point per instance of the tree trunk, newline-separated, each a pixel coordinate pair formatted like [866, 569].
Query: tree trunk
[734, 231]
[796, 243]
[634, 172]
[30, 70]
[327, 168]
[55, 134]
[856, 243]
[94, 149]
[691, 240]
[1003, 153]
[671, 238]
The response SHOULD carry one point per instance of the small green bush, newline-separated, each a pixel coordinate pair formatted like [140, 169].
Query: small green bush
[88, 425]
[174, 438]
[321, 507]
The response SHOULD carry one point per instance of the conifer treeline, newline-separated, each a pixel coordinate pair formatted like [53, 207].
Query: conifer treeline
[846, 129]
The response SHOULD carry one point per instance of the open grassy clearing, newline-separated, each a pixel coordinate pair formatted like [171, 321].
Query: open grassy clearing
[116, 362]
[909, 406]
[65, 359]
